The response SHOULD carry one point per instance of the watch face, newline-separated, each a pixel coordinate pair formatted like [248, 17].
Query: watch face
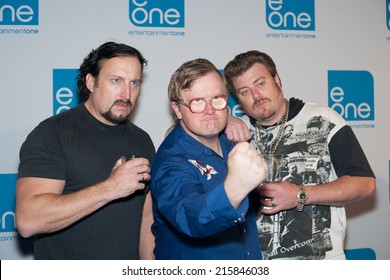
[302, 196]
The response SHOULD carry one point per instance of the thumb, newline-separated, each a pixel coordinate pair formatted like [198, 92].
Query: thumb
[119, 162]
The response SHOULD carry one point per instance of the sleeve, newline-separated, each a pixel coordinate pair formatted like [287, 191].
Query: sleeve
[347, 155]
[188, 205]
[41, 155]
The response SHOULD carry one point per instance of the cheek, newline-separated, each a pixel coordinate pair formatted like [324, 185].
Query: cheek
[134, 95]
[246, 103]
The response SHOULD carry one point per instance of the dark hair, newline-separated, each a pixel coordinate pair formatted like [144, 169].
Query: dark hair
[243, 62]
[92, 63]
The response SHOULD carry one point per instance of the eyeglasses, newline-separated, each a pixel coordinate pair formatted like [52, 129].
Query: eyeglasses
[198, 105]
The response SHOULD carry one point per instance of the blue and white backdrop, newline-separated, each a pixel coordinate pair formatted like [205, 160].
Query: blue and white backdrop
[332, 52]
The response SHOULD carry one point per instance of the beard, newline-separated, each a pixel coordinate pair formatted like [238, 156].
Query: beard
[112, 118]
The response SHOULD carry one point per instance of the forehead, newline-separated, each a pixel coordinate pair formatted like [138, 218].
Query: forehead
[255, 72]
[122, 64]
[208, 85]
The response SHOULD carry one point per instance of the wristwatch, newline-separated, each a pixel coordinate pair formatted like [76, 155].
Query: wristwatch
[302, 198]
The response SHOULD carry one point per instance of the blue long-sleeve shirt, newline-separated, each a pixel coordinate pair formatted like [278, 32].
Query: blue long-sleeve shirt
[194, 218]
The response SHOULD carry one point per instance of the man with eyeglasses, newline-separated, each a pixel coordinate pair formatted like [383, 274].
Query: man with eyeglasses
[200, 181]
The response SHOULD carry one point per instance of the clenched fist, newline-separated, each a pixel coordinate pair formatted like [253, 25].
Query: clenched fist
[246, 171]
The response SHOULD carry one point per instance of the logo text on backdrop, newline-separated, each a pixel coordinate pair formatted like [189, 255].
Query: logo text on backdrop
[21, 17]
[286, 16]
[353, 101]
[7, 207]
[64, 90]
[156, 17]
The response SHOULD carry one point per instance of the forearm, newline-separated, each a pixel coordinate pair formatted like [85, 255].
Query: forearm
[235, 195]
[49, 212]
[344, 190]
[200, 215]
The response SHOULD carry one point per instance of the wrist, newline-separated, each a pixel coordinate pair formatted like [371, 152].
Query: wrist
[301, 197]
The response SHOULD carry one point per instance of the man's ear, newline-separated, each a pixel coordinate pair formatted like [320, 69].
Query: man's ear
[90, 82]
[278, 81]
[176, 109]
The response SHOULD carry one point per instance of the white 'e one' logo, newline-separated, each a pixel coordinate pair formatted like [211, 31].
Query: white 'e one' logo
[277, 19]
[23, 13]
[140, 15]
[363, 110]
[64, 96]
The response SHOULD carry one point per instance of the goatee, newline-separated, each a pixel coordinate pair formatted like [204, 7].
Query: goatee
[109, 116]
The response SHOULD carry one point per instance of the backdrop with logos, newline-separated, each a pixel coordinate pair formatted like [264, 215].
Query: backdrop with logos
[332, 52]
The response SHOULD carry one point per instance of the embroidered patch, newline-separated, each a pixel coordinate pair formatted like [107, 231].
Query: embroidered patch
[204, 168]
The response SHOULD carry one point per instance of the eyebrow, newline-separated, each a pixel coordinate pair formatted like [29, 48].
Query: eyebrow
[254, 82]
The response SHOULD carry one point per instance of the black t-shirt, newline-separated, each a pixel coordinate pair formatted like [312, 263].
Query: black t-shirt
[75, 147]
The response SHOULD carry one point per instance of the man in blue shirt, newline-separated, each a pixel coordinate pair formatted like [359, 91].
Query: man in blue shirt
[200, 181]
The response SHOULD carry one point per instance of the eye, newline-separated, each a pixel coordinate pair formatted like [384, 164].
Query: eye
[243, 92]
[260, 84]
[116, 80]
[197, 100]
[135, 83]
[217, 98]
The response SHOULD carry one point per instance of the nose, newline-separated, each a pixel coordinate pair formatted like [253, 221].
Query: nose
[126, 93]
[209, 109]
[256, 93]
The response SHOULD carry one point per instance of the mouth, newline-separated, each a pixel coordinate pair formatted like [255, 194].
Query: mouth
[123, 105]
[260, 102]
[210, 119]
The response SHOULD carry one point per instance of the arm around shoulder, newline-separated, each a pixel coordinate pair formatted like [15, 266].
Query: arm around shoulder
[236, 130]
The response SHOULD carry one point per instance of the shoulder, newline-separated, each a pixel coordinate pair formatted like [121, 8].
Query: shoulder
[177, 147]
[138, 130]
[316, 114]
[176, 143]
[64, 121]
[321, 110]
[49, 131]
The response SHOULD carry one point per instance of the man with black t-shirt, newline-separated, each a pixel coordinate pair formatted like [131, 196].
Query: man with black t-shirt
[74, 191]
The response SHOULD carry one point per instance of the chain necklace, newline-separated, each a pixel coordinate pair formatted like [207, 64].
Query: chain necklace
[278, 137]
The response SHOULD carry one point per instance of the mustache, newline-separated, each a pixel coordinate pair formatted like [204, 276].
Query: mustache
[260, 100]
[124, 103]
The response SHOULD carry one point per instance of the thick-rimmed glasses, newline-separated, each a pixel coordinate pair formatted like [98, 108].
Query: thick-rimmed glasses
[198, 105]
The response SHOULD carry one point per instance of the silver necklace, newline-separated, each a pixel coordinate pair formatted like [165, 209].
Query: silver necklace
[275, 144]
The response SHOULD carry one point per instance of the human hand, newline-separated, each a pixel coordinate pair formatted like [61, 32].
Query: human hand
[128, 176]
[246, 170]
[275, 197]
[236, 130]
